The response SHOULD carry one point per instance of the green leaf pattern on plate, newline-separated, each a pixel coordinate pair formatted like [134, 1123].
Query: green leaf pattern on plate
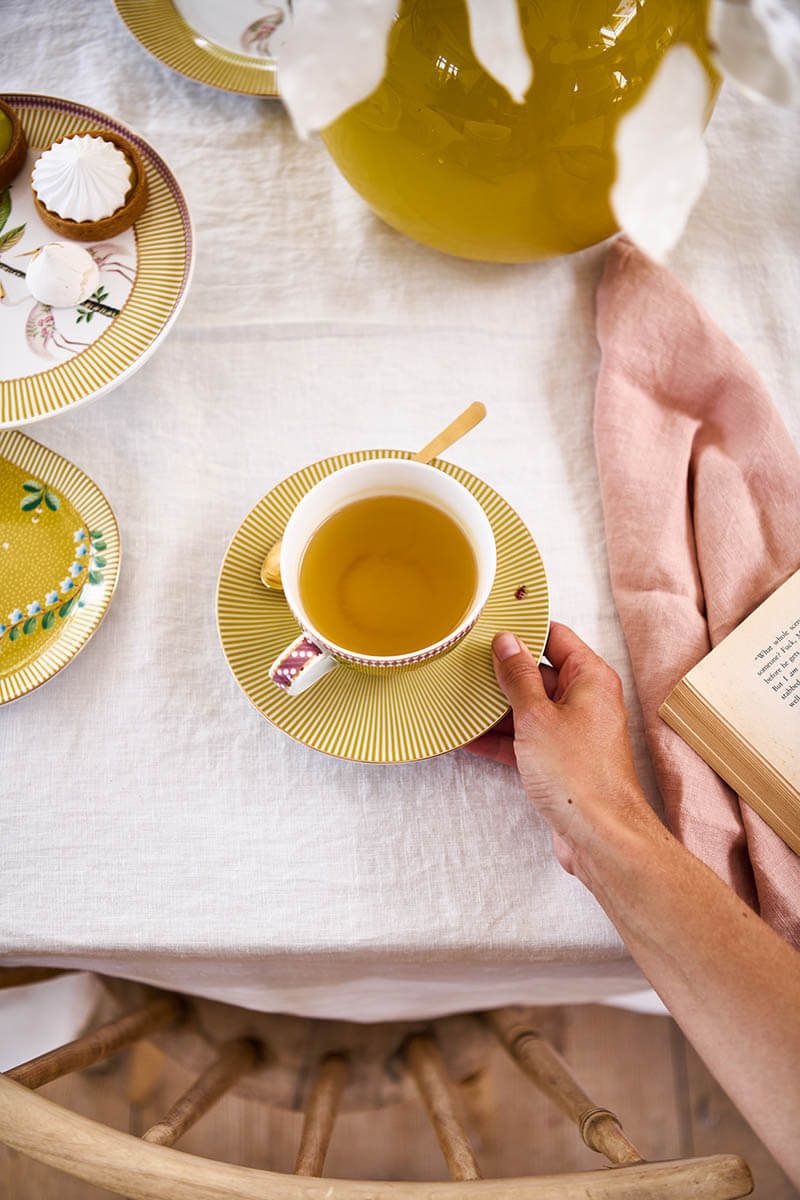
[5, 206]
[37, 493]
[85, 314]
[7, 240]
[87, 567]
[11, 236]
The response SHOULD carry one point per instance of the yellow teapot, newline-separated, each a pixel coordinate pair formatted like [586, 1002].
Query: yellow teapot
[442, 153]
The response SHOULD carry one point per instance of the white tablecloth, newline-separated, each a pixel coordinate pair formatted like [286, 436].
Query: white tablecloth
[152, 824]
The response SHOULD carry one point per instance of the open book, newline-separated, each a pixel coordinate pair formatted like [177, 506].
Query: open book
[739, 708]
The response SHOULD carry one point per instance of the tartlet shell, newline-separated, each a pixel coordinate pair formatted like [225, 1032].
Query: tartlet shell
[12, 162]
[123, 217]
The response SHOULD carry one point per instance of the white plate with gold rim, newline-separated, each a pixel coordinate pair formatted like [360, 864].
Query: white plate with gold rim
[59, 562]
[403, 716]
[56, 358]
[226, 46]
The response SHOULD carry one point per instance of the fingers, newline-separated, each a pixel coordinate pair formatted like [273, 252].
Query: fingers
[550, 680]
[504, 725]
[495, 745]
[517, 673]
[562, 642]
[583, 676]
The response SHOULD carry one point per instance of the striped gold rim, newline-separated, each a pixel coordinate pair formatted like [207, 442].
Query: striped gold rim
[164, 246]
[402, 716]
[161, 29]
[96, 513]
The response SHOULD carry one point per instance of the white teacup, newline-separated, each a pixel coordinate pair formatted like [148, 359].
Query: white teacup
[311, 655]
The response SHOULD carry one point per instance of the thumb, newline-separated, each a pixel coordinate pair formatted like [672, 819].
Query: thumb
[517, 673]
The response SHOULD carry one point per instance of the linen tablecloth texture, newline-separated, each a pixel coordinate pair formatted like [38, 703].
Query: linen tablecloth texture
[701, 494]
[153, 824]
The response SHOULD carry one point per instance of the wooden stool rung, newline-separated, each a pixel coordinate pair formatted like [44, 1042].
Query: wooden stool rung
[599, 1128]
[99, 1044]
[430, 1075]
[320, 1114]
[233, 1060]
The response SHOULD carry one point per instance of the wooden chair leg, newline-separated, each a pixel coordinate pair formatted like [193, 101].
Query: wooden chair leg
[480, 1102]
[600, 1129]
[144, 1069]
[233, 1060]
[427, 1066]
[321, 1109]
[99, 1044]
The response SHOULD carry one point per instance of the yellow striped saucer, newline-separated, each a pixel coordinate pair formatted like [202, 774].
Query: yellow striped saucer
[57, 358]
[223, 45]
[59, 562]
[402, 716]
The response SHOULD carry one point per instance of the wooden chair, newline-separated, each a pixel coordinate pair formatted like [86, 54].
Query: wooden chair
[414, 1055]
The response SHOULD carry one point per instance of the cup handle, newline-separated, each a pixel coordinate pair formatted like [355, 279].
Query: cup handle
[300, 666]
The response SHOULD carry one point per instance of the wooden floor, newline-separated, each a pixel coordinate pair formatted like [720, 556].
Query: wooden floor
[639, 1066]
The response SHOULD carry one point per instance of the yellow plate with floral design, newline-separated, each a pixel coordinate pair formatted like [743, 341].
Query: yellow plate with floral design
[225, 45]
[398, 717]
[55, 358]
[59, 562]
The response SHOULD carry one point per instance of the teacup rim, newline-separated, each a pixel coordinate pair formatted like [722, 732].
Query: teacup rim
[425, 652]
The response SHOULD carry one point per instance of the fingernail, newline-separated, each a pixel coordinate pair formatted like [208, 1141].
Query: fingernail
[504, 645]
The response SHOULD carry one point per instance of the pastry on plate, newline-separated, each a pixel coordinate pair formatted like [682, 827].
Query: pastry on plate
[13, 146]
[62, 275]
[90, 186]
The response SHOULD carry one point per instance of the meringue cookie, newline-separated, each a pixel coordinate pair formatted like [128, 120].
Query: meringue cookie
[62, 275]
[82, 178]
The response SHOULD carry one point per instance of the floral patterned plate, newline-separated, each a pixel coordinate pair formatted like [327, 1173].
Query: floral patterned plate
[55, 358]
[59, 562]
[224, 45]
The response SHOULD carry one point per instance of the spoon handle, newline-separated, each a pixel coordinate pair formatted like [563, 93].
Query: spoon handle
[271, 568]
[468, 419]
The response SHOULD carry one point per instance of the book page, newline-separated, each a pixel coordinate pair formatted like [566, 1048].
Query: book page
[752, 679]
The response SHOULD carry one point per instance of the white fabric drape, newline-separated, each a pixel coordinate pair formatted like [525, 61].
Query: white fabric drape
[151, 823]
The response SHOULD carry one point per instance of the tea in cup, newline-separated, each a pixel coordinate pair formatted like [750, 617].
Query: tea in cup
[385, 564]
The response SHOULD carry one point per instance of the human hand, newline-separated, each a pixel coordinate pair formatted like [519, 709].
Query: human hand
[568, 737]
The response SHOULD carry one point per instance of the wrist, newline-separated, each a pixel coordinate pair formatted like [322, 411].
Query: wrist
[615, 838]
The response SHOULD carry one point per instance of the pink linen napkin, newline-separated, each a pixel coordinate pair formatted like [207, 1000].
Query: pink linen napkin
[701, 497]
